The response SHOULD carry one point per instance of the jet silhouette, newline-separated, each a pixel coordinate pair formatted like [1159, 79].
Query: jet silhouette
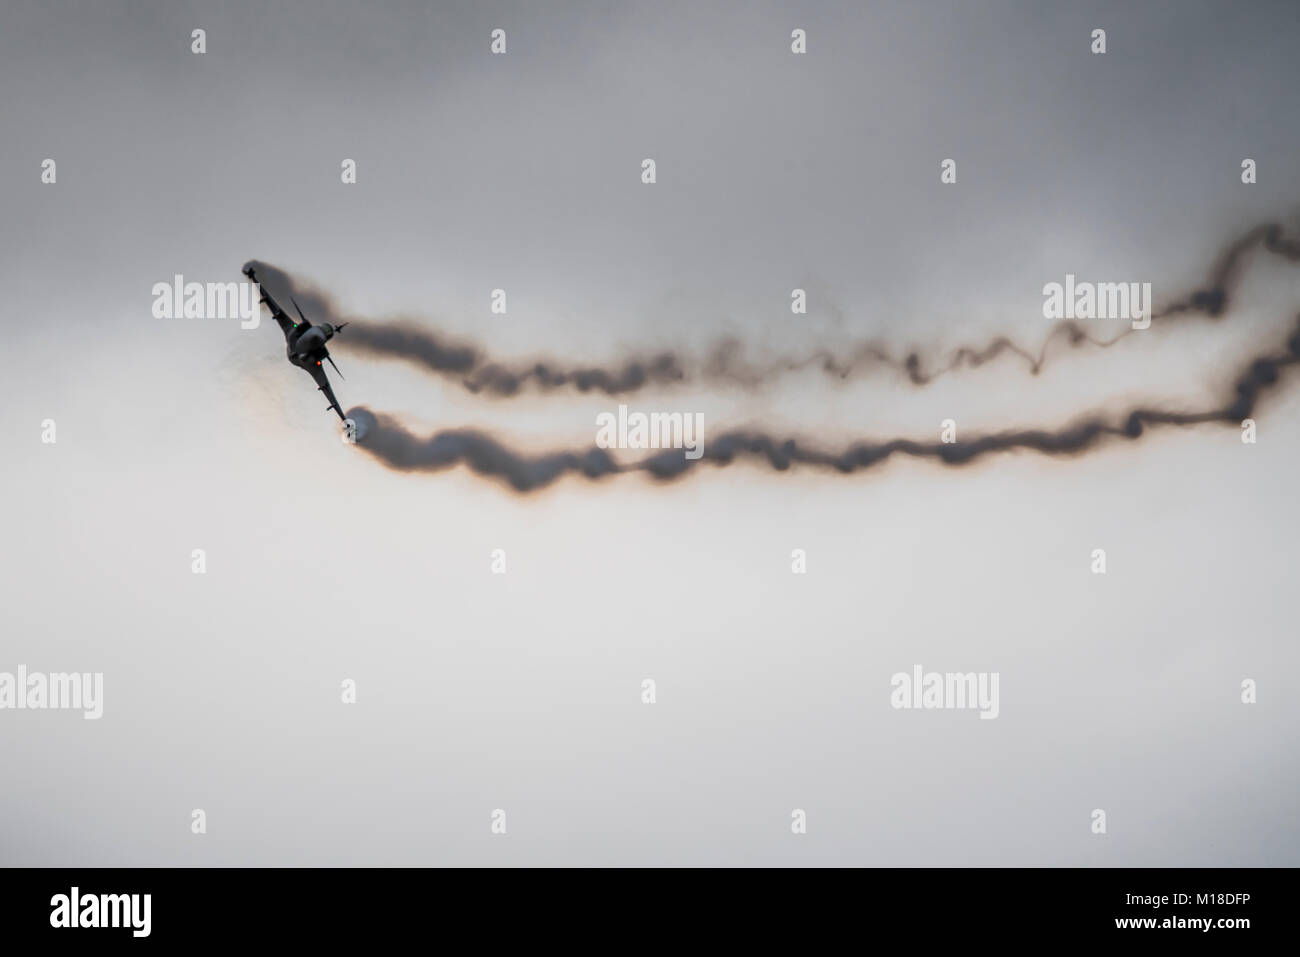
[304, 342]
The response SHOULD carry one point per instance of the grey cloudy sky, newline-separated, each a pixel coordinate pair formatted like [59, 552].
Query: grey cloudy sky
[522, 691]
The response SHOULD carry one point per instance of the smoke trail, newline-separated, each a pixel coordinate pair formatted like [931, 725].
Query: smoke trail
[395, 446]
[409, 341]
[386, 439]
[725, 364]
[398, 448]
[1210, 300]
[395, 338]
[403, 339]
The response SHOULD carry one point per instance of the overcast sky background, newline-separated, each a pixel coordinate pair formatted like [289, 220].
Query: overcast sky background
[479, 691]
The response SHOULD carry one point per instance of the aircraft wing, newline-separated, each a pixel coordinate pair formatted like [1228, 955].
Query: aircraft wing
[279, 315]
[323, 383]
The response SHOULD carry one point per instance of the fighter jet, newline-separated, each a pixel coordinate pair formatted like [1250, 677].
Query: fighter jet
[304, 342]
